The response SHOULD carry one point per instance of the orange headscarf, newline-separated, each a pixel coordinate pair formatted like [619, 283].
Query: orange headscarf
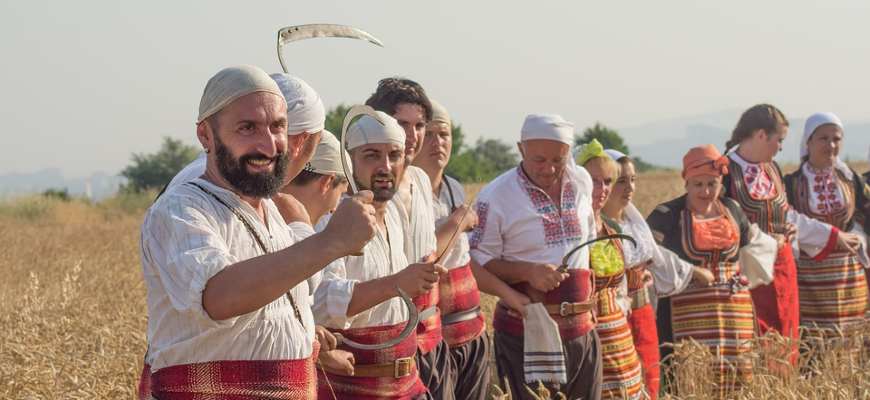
[704, 160]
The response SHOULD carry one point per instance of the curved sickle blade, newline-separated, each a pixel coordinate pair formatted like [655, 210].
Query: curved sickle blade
[301, 32]
[354, 112]
[565, 259]
[411, 326]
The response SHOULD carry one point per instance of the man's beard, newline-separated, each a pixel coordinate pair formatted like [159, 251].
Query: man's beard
[382, 195]
[260, 185]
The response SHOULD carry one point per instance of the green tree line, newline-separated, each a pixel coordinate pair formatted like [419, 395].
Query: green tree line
[480, 161]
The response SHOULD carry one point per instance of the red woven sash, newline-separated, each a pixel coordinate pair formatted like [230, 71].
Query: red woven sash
[429, 330]
[232, 380]
[350, 387]
[574, 289]
[459, 293]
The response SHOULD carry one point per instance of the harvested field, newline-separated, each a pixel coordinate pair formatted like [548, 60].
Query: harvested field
[72, 309]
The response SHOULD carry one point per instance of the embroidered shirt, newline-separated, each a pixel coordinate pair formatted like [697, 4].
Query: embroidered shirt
[519, 222]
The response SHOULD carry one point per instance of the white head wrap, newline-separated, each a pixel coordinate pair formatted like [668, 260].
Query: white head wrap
[615, 154]
[439, 113]
[326, 159]
[547, 127]
[368, 130]
[305, 111]
[232, 83]
[814, 122]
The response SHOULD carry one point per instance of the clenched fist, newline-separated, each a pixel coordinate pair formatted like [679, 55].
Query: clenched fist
[545, 277]
[464, 215]
[353, 224]
[417, 279]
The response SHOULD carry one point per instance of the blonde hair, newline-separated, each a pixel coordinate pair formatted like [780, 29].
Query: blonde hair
[607, 164]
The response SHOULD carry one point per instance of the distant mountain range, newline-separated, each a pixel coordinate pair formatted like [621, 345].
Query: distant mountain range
[96, 187]
[662, 143]
[665, 142]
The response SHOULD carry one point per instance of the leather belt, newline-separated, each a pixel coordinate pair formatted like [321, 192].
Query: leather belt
[565, 308]
[400, 368]
[460, 316]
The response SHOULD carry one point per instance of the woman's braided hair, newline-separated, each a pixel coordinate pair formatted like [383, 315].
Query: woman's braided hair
[760, 116]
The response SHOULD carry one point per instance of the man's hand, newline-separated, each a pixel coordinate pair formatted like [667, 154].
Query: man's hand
[417, 279]
[516, 301]
[545, 277]
[338, 362]
[353, 224]
[702, 276]
[848, 241]
[327, 340]
[467, 216]
[291, 209]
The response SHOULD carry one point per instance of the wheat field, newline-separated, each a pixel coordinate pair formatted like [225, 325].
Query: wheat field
[73, 315]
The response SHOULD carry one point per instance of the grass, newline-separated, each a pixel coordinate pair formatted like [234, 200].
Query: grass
[73, 315]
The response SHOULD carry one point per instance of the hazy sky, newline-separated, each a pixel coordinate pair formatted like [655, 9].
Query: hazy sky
[85, 84]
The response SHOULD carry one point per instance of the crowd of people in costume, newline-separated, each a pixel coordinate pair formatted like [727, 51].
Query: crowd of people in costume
[285, 264]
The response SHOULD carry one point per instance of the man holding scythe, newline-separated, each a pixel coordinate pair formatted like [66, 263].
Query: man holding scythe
[406, 101]
[228, 301]
[357, 296]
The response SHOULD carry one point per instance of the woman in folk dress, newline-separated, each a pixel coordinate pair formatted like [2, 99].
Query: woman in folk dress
[645, 261]
[716, 310]
[622, 373]
[832, 284]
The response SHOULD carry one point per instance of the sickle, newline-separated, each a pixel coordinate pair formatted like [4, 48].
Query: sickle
[413, 317]
[413, 320]
[564, 265]
[302, 32]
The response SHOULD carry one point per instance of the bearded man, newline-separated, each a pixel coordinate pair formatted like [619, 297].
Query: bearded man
[228, 300]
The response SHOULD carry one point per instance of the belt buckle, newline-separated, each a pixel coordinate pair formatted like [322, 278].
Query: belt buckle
[563, 309]
[402, 367]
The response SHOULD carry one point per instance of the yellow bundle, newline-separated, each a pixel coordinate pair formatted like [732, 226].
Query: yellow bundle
[606, 258]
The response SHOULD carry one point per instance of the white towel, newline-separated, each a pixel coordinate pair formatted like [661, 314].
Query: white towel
[543, 357]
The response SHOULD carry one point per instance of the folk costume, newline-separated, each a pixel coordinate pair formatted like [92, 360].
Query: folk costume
[832, 284]
[670, 276]
[191, 233]
[389, 373]
[759, 190]
[719, 316]
[415, 208]
[462, 322]
[518, 221]
[622, 372]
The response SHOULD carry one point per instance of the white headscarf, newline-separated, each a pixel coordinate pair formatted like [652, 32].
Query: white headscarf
[325, 160]
[305, 111]
[368, 130]
[615, 154]
[814, 122]
[439, 113]
[230, 84]
[547, 127]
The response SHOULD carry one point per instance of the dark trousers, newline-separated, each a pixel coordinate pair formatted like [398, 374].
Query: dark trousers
[436, 371]
[582, 362]
[471, 368]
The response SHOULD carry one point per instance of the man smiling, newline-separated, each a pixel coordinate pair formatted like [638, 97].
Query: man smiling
[228, 302]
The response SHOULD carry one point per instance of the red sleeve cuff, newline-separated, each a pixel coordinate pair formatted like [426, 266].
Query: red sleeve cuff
[830, 246]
